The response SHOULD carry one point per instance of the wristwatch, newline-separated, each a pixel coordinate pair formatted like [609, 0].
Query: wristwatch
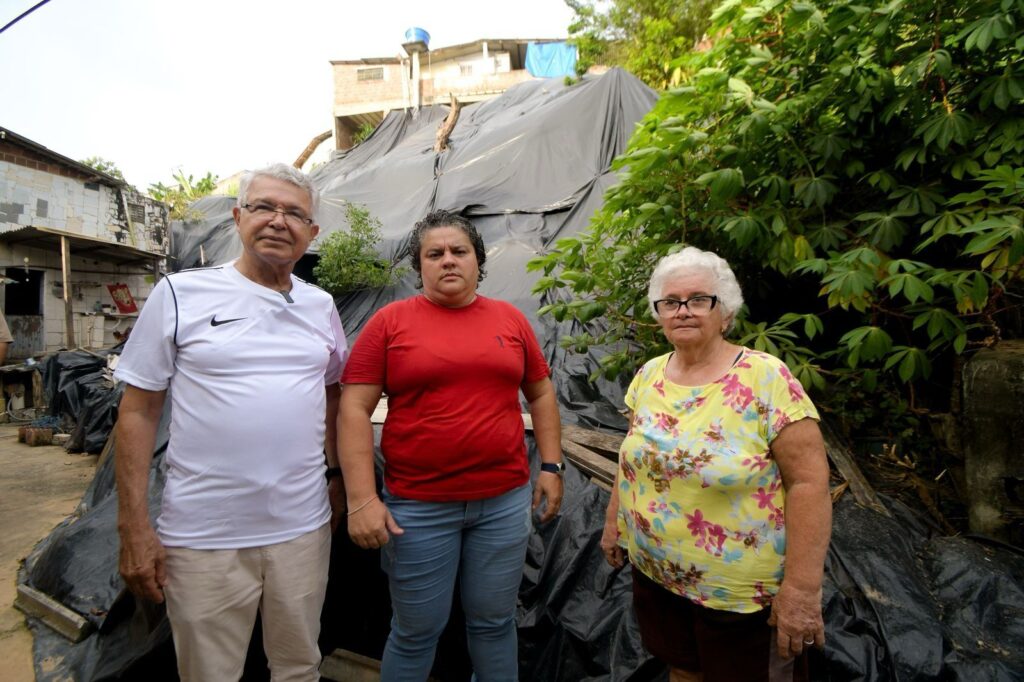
[553, 467]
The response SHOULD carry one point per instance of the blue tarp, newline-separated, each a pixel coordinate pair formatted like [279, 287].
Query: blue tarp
[551, 60]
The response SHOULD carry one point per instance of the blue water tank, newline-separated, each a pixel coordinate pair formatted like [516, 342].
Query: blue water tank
[415, 34]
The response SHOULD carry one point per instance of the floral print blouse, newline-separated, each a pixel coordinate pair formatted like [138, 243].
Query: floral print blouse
[701, 502]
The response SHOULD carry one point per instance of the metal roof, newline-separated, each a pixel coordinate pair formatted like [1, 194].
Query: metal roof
[96, 176]
[81, 245]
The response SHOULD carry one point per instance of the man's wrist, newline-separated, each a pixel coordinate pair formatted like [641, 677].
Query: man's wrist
[557, 468]
[332, 472]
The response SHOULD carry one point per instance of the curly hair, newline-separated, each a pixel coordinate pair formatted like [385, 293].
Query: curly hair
[442, 218]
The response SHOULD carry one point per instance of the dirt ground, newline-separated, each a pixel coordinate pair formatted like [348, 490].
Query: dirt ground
[39, 487]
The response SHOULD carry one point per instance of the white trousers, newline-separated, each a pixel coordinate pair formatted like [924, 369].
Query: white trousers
[212, 597]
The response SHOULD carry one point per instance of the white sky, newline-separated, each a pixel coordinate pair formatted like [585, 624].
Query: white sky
[213, 85]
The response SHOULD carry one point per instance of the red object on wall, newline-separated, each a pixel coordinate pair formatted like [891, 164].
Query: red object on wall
[122, 298]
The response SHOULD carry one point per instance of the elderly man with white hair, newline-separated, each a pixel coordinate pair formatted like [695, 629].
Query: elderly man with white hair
[251, 356]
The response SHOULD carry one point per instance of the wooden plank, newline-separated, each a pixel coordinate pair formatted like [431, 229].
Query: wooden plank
[107, 451]
[342, 665]
[844, 462]
[69, 316]
[38, 393]
[593, 439]
[347, 666]
[60, 618]
[589, 462]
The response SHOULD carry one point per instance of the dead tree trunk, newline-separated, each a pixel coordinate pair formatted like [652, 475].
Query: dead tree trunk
[447, 126]
[310, 148]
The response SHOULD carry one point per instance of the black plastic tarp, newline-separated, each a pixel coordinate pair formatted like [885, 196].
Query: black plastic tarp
[81, 392]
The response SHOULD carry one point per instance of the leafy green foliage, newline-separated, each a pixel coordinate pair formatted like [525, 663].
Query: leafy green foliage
[103, 166]
[646, 37]
[365, 130]
[349, 260]
[180, 195]
[861, 166]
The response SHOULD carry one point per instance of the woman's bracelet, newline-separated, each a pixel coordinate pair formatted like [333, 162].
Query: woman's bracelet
[360, 507]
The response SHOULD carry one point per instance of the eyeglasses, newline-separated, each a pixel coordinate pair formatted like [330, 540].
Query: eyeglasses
[696, 305]
[266, 212]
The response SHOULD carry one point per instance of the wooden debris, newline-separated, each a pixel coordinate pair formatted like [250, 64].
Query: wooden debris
[348, 666]
[107, 451]
[845, 464]
[589, 462]
[60, 618]
[444, 131]
[838, 491]
[310, 148]
[343, 665]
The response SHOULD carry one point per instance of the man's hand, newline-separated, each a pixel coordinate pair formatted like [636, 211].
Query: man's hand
[336, 496]
[370, 523]
[549, 487]
[142, 563]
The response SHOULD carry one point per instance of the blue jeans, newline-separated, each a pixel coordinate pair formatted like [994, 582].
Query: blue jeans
[484, 542]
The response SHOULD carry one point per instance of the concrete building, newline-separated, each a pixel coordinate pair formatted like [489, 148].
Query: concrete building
[366, 89]
[68, 233]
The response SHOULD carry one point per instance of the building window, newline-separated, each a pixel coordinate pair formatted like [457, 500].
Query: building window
[137, 212]
[374, 74]
[465, 69]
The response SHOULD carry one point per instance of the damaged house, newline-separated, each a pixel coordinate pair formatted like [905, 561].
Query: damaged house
[79, 250]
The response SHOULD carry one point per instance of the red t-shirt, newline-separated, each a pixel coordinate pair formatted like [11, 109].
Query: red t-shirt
[454, 429]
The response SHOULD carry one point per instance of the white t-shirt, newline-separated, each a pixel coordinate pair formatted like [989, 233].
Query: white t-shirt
[247, 370]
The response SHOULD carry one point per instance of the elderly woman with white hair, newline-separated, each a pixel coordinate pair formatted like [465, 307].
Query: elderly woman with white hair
[721, 501]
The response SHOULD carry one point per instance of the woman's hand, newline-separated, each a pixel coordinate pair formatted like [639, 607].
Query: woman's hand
[613, 553]
[370, 523]
[549, 487]
[796, 614]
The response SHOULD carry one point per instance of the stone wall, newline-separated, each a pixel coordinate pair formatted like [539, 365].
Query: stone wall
[993, 441]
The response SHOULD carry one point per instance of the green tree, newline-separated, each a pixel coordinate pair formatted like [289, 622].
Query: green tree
[646, 37]
[861, 165]
[365, 130]
[349, 260]
[180, 195]
[103, 166]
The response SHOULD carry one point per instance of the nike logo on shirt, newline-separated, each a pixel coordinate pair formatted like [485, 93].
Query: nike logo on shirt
[214, 322]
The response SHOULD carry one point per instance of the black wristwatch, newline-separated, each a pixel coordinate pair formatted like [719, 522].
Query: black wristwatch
[332, 472]
[553, 467]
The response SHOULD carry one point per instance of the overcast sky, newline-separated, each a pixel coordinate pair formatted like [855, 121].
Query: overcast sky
[213, 85]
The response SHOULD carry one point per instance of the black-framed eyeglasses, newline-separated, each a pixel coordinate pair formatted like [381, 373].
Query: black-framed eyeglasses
[697, 305]
[267, 211]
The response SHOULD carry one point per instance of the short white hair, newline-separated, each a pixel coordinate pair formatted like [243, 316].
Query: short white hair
[691, 259]
[281, 171]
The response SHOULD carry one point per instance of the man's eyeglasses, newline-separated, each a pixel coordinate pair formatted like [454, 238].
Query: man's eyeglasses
[266, 211]
[696, 305]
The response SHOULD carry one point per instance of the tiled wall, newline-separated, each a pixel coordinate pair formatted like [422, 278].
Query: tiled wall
[35, 193]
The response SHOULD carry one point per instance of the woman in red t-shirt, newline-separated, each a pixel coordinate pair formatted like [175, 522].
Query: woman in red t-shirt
[456, 497]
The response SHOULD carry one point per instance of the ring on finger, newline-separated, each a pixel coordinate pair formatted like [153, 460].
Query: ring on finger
[808, 642]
